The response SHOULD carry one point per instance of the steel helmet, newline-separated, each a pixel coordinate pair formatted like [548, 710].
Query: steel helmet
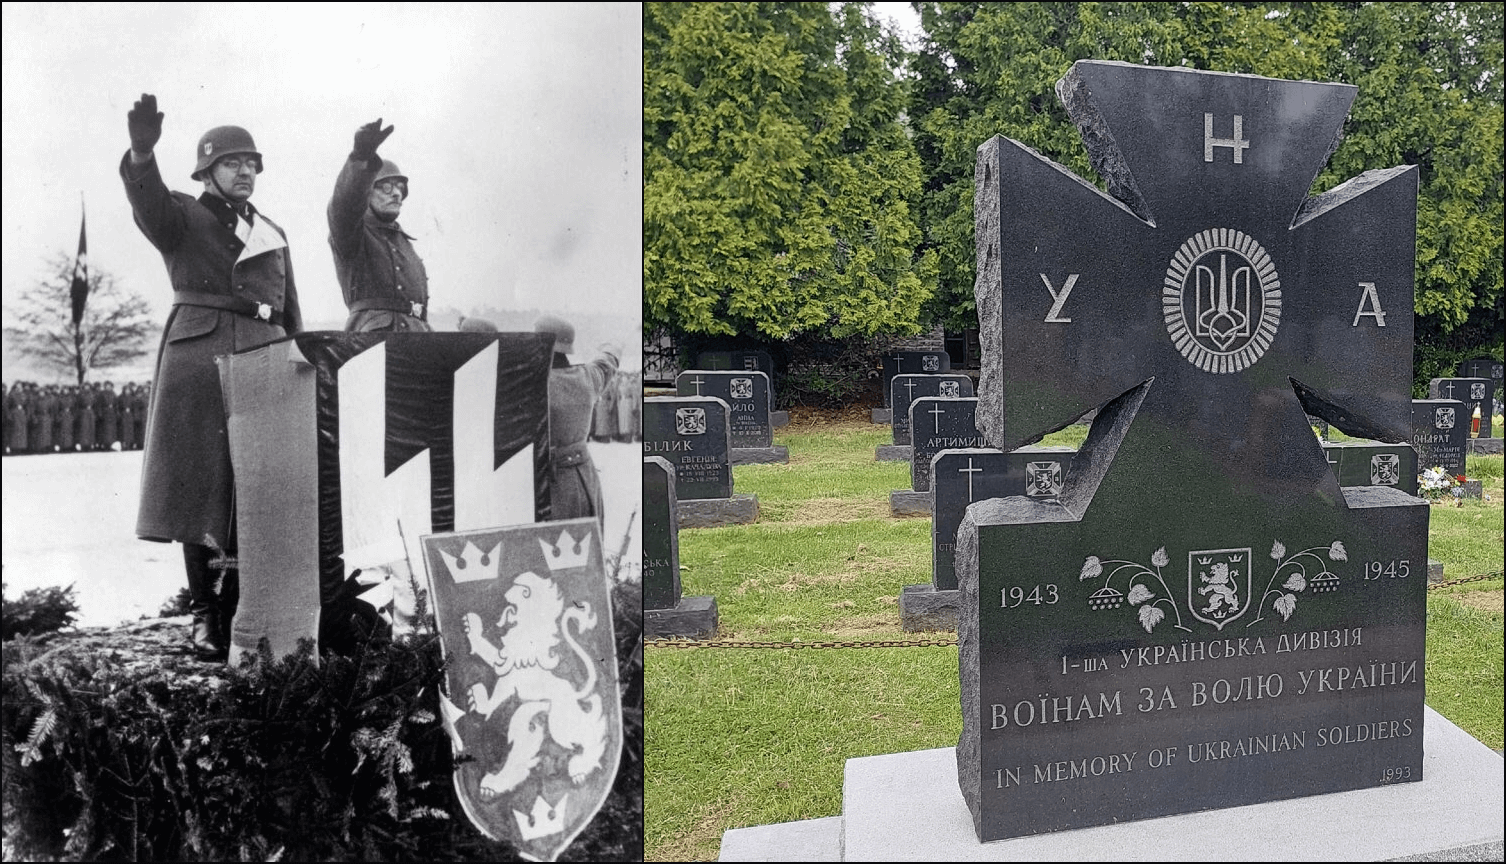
[390, 171]
[564, 333]
[224, 141]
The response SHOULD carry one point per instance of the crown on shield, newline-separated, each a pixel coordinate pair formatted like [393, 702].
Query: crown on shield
[473, 565]
[566, 552]
[545, 819]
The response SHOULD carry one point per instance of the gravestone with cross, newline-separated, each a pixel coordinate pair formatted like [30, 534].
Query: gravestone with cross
[666, 611]
[938, 424]
[1440, 434]
[747, 396]
[735, 361]
[1203, 618]
[1481, 367]
[959, 478]
[905, 389]
[693, 433]
[912, 363]
[1477, 394]
[1371, 463]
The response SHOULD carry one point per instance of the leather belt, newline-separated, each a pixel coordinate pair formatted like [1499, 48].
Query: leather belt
[386, 304]
[229, 303]
[570, 455]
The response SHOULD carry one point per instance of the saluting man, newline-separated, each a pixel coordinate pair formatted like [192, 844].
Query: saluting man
[383, 280]
[233, 289]
[573, 392]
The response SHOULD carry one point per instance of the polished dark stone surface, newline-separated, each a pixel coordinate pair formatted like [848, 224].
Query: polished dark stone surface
[1481, 367]
[661, 535]
[1368, 463]
[1477, 394]
[744, 361]
[1150, 612]
[691, 618]
[694, 435]
[913, 363]
[746, 394]
[905, 389]
[939, 424]
[964, 476]
[1440, 431]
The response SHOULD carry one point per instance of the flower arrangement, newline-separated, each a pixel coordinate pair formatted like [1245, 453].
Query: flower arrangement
[1437, 485]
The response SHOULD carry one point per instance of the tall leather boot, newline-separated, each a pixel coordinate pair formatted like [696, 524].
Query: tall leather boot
[229, 598]
[206, 637]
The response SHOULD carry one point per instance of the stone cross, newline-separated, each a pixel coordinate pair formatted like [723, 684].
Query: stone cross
[1205, 306]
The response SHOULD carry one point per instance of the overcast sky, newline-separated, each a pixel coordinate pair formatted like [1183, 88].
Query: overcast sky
[518, 124]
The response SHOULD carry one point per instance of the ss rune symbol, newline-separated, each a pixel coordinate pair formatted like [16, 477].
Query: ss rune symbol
[690, 421]
[742, 388]
[1444, 418]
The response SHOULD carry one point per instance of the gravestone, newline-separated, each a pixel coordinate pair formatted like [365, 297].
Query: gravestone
[1204, 618]
[1440, 432]
[693, 433]
[666, 613]
[959, 478]
[908, 363]
[1477, 394]
[1481, 367]
[1371, 463]
[939, 424]
[747, 361]
[747, 396]
[905, 389]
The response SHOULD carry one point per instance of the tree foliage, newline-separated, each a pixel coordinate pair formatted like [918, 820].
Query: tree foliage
[1430, 94]
[780, 187]
[115, 329]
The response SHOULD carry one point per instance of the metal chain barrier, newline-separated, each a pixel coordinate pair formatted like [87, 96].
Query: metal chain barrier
[926, 643]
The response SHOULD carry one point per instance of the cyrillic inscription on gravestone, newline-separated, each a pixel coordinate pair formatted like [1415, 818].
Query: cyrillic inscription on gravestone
[531, 691]
[1203, 618]
[693, 433]
[939, 424]
[905, 389]
[913, 363]
[962, 477]
[1440, 429]
[661, 536]
[746, 395]
[1477, 394]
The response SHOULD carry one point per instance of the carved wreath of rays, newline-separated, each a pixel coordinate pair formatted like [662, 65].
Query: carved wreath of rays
[1297, 581]
[1109, 597]
[1229, 335]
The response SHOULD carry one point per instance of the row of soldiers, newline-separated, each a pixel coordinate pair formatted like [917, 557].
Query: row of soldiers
[52, 418]
[619, 410]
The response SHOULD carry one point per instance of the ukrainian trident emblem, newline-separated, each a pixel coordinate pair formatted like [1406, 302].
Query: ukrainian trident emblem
[525, 614]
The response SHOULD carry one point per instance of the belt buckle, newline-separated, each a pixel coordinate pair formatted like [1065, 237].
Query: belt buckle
[264, 311]
[416, 310]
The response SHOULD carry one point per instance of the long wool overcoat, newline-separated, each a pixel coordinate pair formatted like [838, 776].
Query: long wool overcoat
[573, 392]
[187, 488]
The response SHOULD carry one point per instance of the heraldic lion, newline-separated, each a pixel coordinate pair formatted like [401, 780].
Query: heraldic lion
[548, 704]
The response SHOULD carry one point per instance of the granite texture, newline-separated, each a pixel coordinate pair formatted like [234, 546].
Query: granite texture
[893, 453]
[777, 454]
[905, 389]
[1477, 394]
[748, 398]
[739, 509]
[906, 503]
[961, 477]
[924, 607]
[749, 361]
[912, 363]
[939, 424]
[691, 618]
[1440, 434]
[661, 535]
[694, 434]
[779, 419]
[882, 416]
[1485, 446]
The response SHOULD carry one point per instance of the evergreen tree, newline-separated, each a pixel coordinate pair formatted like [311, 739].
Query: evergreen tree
[780, 187]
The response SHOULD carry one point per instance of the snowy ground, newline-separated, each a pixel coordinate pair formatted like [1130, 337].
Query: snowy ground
[70, 518]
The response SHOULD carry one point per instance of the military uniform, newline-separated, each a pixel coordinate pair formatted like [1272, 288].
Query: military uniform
[573, 393]
[382, 279]
[228, 295]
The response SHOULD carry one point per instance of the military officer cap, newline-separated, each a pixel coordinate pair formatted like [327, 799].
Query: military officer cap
[564, 333]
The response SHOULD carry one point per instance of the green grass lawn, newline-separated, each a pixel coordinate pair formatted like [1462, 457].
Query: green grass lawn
[739, 737]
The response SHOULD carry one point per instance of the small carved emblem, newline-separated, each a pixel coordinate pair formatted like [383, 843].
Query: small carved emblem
[1477, 390]
[1043, 479]
[950, 390]
[930, 363]
[1443, 418]
[742, 388]
[1385, 469]
[1218, 584]
[690, 421]
[1221, 300]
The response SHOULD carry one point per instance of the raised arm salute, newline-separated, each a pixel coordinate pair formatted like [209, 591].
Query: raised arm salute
[232, 281]
[382, 279]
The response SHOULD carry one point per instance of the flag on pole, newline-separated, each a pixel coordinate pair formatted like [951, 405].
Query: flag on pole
[80, 289]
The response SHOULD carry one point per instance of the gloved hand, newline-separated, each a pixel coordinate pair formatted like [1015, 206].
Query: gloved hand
[145, 124]
[369, 138]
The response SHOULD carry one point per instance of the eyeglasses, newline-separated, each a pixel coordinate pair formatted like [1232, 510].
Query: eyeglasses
[234, 163]
[387, 187]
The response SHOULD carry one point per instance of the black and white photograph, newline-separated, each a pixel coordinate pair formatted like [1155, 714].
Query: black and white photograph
[322, 396]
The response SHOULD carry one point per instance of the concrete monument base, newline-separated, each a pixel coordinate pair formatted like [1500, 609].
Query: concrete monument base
[1473, 489]
[907, 807]
[1435, 570]
[922, 607]
[716, 512]
[893, 453]
[779, 418]
[1484, 446]
[882, 415]
[906, 502]
[760, 455]
[692, 618]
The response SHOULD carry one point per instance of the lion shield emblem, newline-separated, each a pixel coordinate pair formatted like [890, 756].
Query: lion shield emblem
[526, 618]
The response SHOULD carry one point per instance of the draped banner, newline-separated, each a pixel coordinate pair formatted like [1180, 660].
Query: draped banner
[348, 447]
